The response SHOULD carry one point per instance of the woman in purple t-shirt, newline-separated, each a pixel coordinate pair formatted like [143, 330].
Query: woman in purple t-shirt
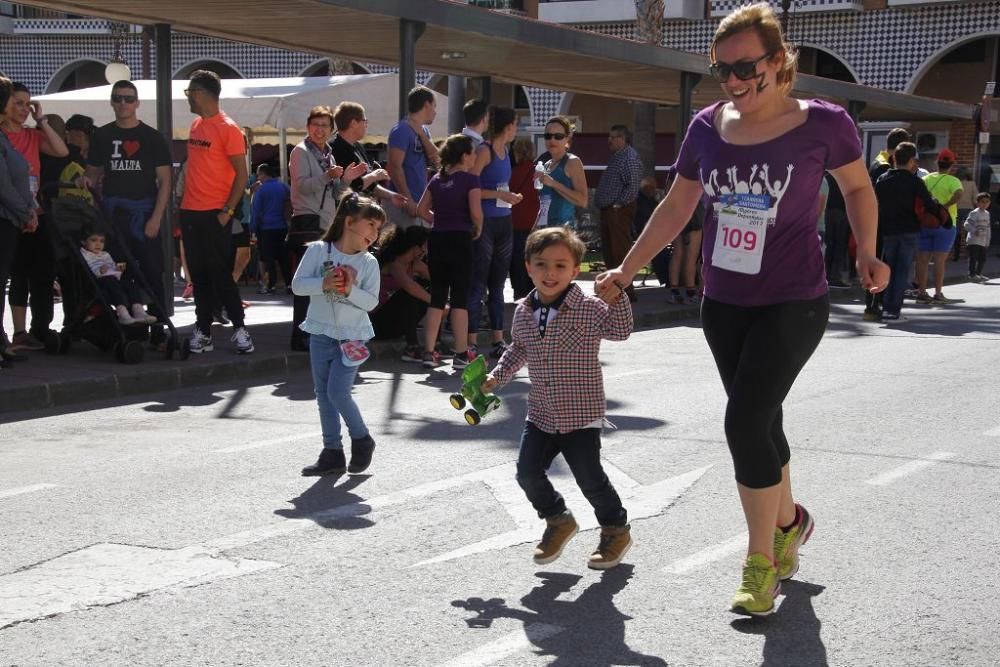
[760, 158]
[452, 203]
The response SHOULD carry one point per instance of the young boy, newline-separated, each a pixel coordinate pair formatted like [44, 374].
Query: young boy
[978, 239]
[557, 331]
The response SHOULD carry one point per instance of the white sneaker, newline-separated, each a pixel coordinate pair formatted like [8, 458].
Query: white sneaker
[139, 314]
[199, 342]
[123, 316]
[244, 343]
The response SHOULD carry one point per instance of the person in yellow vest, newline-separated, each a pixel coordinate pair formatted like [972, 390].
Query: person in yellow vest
[946, 190]
[78, 131]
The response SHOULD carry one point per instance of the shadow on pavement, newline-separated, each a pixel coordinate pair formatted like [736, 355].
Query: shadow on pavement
[792, 634]
[589, 630]
[330, 505]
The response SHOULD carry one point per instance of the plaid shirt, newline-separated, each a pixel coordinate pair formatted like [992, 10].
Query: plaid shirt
[567, 387]
[619, 183]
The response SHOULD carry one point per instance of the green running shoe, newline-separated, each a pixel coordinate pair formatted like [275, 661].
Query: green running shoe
[786, 545]
[760, 586]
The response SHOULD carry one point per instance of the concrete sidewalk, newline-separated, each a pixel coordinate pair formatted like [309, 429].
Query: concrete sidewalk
[85, 374]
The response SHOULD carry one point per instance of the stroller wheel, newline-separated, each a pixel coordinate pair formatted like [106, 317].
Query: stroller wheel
[53, 342]
[185, 350]
[170, 346]
[131, 352]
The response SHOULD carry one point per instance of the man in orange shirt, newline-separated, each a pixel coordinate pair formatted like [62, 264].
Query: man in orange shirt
[213, 185]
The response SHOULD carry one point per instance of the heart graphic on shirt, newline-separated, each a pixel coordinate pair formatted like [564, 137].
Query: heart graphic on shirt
[131, 147]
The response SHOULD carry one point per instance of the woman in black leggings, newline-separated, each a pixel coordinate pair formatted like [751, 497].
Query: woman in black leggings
[759, 160]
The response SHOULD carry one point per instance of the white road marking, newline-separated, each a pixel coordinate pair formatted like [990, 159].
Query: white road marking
[641, 501]
[733, 545]
[506, 646]
[105, 574]
[909, 468]
[995, 433]
[267, 443]
[26, 489]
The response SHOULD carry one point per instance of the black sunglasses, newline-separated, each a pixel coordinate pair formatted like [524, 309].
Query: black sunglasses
[743, 69]
[193, 89]
[558, 136]
[127, 99]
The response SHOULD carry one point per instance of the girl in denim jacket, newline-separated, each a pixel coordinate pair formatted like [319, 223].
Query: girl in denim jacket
[341, 279]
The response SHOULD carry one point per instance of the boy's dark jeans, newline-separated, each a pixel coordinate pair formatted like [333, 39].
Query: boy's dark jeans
[582, 451]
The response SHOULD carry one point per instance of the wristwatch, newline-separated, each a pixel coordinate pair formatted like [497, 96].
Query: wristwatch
[230, 211]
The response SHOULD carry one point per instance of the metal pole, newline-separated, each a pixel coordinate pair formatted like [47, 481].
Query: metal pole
[854, 109]
[409, 33]
[165, 124]
[485, 88]
[456, 100]
[688, 81]
[283, 152]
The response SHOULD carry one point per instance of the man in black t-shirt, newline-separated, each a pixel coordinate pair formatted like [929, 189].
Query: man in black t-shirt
[131, 162]
[352, 126]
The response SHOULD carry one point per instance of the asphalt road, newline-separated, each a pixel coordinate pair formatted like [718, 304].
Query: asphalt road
[179, 532]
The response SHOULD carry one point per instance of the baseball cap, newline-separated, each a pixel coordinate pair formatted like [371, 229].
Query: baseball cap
[946, 156]
[80, 122]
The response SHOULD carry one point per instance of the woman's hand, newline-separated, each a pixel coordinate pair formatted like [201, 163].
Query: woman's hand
[873, 272]
[511, 198]
[334, 172]
[611, 283]
[477, 230]
[547, 180]
[353, 171]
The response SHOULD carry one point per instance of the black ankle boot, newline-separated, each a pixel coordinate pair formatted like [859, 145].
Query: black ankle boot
[361, 454]
[330, 462]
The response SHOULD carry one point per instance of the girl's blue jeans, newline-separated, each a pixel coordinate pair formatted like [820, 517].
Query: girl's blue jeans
[333, 381]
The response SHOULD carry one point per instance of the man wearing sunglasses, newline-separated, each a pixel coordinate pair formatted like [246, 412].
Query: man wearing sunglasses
[616, 196]
[130, 162]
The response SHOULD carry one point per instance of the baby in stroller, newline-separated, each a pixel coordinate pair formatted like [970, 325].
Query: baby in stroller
[118, 290]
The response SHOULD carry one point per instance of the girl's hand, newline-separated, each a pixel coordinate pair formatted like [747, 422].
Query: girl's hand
[477, 230]
[874, 273]
[120, 266]
[510, 197]
[330, 281]
[610, 283]
[104, 269]
[488, 385]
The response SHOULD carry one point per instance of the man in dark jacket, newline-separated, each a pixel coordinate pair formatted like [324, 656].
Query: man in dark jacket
[897, 191]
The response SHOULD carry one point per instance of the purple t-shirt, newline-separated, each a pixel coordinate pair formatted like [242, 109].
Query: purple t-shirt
[450, 201]
[766, 197]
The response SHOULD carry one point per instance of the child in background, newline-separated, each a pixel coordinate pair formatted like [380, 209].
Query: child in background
[978, 239]
[452, 204]
[119, 291]
[557, 331]
[341, 279]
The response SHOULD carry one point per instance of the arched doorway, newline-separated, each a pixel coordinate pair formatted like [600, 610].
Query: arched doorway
[821, 62]
[959, 70]
[224, 70]
[322, 68]
[84, 73]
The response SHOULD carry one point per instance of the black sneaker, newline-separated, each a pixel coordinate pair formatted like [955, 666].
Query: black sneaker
[361, 454]
[330, 462]
[413, 354]
[463, 359]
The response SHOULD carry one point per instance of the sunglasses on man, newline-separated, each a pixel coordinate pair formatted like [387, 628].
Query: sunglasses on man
[558, 136]
[127, 99]
[744, 70]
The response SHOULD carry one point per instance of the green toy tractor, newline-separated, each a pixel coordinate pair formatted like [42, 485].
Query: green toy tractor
[471, 394]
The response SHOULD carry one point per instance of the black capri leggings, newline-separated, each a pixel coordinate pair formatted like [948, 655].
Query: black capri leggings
[449, 259]
[759, 351]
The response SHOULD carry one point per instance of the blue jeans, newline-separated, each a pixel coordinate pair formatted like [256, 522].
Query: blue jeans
[492, 251]
[582, 451]
[898, 252]
[332, 381]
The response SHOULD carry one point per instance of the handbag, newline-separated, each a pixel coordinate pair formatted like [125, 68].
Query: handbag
[938, 216]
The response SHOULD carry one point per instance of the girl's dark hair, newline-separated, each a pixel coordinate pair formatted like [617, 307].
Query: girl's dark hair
[500, 118]
[396, 241]
[353, 205]
[91, 229]
[455, 148]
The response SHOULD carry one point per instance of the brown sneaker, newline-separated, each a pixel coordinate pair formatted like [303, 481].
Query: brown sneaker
[615, 543]
[558, 532]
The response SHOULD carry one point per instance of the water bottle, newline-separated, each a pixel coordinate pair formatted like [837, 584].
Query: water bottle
[539, 172]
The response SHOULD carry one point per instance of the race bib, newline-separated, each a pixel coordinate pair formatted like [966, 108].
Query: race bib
[544, 202]
[503, 187]
[742, 228]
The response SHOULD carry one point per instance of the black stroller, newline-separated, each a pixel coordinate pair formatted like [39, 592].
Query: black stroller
[87, 314]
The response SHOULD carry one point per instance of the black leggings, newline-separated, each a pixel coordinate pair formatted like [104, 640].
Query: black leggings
[274, 256]
[449, 259]
[759, 351]
[977, 259]
[32, 273]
